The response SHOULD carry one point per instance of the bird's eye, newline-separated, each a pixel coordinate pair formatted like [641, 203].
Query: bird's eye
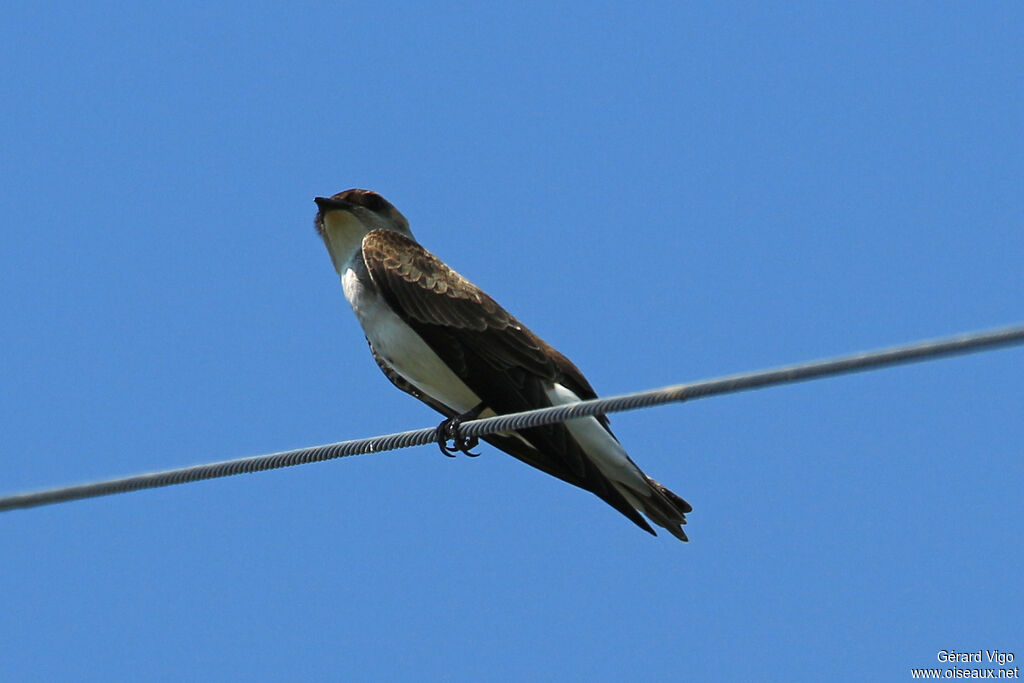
[373, 201]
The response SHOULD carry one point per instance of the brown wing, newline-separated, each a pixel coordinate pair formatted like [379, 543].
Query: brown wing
[499, 358]
[426, 292]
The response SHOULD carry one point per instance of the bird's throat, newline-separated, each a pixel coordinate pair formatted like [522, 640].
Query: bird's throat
[343, 235]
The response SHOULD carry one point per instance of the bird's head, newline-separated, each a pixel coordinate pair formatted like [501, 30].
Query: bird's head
[345, 218]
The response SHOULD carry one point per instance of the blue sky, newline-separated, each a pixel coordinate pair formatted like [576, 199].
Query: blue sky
[665, 192]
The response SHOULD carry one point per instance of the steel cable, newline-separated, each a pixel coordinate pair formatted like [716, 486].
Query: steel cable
[919, 351]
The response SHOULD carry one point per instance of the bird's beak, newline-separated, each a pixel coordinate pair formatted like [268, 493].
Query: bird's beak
[326, 204]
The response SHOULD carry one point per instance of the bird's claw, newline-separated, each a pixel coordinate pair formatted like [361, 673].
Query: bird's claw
[449, 431]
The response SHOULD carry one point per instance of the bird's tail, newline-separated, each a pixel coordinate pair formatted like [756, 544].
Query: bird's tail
[665, 509]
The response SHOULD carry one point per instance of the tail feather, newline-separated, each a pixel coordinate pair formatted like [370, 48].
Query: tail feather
[665, 509]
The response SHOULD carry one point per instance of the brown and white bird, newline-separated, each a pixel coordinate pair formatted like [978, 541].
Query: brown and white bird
[440, 338]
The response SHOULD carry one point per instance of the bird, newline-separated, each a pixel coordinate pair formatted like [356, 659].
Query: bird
[440, 338]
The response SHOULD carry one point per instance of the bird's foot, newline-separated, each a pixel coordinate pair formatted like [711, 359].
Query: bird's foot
[449, 431]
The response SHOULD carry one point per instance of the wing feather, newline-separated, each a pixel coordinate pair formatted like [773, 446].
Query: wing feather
[499, 358]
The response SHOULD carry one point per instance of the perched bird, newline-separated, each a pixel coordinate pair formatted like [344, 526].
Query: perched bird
[440, 338]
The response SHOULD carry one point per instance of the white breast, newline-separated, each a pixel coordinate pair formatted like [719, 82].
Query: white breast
[403, 349]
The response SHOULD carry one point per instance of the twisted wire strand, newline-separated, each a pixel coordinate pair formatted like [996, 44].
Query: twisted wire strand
[926, 350]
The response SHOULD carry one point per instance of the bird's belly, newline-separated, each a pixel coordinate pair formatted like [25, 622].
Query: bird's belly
[404, 350]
